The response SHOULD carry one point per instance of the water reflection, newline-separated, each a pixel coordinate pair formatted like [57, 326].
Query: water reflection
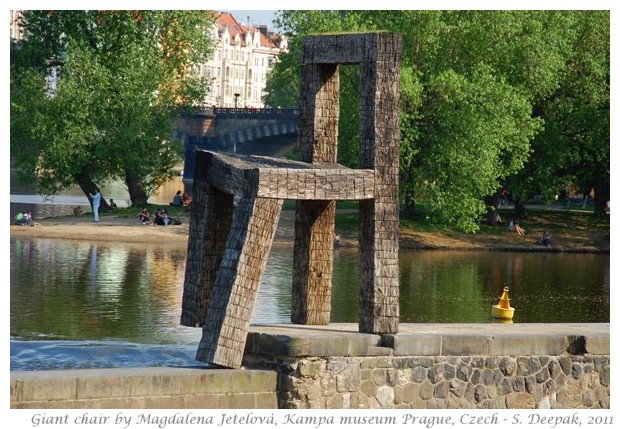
[67, 290]
[84, 290]
[544, 287]
[89, 290]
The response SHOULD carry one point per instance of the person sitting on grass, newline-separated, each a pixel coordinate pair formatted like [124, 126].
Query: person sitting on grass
[144, 216]
[514, 226]
[177, 201]
[518, 228]
[161, 217]
[544, 239]
[23, 218]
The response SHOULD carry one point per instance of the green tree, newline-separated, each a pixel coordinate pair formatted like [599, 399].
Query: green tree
[466, 120]
[94, 95]
[283, 82]
[574, 148]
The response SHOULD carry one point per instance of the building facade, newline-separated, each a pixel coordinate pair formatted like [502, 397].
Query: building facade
[16, 31]
[243, 57]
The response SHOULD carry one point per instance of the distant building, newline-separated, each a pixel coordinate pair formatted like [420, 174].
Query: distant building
[16, 31]
[242, 58]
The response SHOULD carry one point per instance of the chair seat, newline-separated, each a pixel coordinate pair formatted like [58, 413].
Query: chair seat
[266, 177]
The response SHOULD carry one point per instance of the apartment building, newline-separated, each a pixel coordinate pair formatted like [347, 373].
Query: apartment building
[242, 58]
[16, 31]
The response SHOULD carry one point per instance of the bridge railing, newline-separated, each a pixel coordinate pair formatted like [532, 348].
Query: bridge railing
[240, 111]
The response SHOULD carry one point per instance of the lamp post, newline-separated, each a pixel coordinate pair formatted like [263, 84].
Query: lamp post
[235, 124]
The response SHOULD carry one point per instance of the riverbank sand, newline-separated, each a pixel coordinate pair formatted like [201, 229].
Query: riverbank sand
[112, 228]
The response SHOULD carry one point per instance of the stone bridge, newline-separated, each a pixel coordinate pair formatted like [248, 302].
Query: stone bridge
[229, 130]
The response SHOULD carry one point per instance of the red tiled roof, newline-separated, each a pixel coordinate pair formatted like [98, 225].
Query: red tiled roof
[264, 41]
[225, 19]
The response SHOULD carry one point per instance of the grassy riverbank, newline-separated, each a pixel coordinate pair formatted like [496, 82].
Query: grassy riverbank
[570, 230]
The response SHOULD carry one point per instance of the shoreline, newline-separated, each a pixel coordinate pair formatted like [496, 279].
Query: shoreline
[113, 229]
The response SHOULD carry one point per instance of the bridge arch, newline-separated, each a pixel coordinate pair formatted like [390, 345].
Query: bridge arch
[223, 129]
[256, 132]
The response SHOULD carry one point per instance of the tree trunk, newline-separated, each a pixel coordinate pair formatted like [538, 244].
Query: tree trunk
[520, 210]
[600, 197]
[86, 184]
[137, 194]
[408, 198]
[409, 208]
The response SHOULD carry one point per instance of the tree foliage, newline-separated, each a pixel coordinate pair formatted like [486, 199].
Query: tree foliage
[94, 95]
[473, 84]
[573, 150]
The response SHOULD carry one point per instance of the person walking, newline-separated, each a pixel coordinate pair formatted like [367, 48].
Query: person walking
[96, 198]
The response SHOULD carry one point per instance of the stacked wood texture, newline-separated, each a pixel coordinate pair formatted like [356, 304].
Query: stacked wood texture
[378, 56]
[313, 252]
[211, 218]
[236, 287]
[228, 248]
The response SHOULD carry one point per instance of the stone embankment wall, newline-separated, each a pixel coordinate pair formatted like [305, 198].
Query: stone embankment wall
[334, 367]
[148, 388]
[445, 382]
[483, 366]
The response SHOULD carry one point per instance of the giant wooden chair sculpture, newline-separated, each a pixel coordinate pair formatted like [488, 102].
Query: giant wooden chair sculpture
[228, 247]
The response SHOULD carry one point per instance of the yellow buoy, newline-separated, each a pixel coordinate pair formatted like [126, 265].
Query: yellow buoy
[503, 310]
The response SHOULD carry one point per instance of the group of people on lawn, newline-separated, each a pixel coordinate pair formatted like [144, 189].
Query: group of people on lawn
[161, 216]
[182, 199]
[515, 226]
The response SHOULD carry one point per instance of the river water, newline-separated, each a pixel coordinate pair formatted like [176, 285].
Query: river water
[81, 304]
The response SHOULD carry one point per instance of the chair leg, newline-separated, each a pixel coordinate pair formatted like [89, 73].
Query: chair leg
[236, 287]
[313, 261]
[208, 232]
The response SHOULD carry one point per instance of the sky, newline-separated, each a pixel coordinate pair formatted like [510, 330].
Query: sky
[257, 17]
